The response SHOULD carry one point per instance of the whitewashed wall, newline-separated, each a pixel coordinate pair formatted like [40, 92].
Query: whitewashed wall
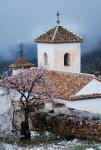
[55, 53]
[93, 86]
[91, 105]
[16, 71]
[48, 106]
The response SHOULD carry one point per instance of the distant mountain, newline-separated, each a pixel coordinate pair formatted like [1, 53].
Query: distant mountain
[91, 61]
[30, 53]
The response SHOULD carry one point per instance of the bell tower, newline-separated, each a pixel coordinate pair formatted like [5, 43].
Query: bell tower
[21, 63]
[59, 49]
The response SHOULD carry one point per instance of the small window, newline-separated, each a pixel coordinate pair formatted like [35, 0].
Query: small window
[45, 59]
[66, 59]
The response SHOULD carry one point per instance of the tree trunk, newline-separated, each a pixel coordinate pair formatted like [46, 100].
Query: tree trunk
[25, 133]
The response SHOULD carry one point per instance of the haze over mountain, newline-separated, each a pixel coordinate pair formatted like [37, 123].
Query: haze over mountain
[30, 53]
[91, 61]
[24, 20]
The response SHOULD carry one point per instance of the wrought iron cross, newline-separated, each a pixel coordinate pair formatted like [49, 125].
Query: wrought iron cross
[21, 49]
[58, 18]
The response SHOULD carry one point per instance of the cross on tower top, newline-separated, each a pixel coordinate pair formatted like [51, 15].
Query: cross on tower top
[58, 18]
[21, 49]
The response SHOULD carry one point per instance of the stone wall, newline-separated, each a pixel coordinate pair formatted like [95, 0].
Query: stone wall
[68, 127]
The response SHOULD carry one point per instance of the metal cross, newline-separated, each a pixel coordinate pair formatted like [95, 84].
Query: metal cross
[58, 18]
[21, 49]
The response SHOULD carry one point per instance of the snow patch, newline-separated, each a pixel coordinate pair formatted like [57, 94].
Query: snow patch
[89, 149]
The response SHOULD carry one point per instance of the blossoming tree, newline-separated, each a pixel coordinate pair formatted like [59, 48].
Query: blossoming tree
[29, 87]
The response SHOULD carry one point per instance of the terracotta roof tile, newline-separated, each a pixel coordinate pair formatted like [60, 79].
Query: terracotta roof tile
[21, 62]
[58, 34]
[66, 85]
[85, 97]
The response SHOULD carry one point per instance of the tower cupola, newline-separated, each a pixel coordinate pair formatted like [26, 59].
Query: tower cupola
[59, 49]
[20, 63]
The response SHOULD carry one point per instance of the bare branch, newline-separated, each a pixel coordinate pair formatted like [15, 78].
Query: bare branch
[34, 89]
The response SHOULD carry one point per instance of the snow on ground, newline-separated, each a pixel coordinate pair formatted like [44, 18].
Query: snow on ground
[91, 105]
[60, 145]
[90, 149]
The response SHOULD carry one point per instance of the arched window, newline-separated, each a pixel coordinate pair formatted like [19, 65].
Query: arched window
[66, 59]
[45, 59]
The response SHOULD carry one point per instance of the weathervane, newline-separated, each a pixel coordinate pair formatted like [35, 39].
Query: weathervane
[58, 18]
[21, 49]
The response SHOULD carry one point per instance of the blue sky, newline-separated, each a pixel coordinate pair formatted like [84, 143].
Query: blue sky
[24, 20]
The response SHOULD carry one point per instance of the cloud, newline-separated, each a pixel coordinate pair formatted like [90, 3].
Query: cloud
[25, 19]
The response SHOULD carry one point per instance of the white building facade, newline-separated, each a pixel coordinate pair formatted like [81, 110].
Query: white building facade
[59, 50]
[52, 56]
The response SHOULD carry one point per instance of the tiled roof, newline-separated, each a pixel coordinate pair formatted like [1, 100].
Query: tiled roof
[66, 85]
[21, 62]
[58, 34]
[85, 97]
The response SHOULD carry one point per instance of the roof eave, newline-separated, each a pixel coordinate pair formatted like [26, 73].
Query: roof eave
[53, 42]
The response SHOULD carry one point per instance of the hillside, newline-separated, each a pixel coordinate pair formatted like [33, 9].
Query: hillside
[30, 53]
[91, 61]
